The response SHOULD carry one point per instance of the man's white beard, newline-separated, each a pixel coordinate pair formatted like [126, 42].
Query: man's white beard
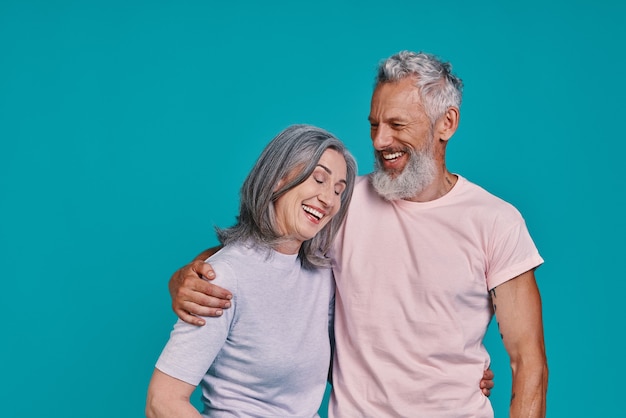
[418, 173]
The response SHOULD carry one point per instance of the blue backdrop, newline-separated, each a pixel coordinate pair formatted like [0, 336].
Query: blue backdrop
[127, 127]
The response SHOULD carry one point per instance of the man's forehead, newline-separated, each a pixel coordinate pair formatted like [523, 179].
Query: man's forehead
[395, 102]
[396, 94]
[391, 112]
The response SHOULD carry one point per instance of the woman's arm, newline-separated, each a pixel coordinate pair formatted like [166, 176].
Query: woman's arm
[169, 397]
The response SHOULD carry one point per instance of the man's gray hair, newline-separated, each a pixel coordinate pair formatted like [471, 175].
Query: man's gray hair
[289, 158]
[439, 88]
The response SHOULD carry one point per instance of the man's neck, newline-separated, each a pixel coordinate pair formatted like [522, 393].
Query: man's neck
[443, 183]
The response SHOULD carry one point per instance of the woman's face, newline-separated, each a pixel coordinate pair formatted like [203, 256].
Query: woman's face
[304, 210]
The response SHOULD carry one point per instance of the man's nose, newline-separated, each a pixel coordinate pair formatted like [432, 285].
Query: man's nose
[381, 137]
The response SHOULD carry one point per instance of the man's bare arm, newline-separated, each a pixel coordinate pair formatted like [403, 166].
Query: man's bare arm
[192, 294]
[517, 305]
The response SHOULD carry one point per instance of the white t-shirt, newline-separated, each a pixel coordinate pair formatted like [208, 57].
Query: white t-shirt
[268, 355]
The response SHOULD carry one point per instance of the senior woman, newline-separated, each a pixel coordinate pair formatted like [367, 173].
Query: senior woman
[261, 358]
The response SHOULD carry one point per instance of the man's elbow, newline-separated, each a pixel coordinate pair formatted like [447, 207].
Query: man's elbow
[531, 355]
[532, 368]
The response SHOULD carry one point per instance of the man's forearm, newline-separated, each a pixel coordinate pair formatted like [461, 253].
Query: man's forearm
[517, 304]
[530, 384]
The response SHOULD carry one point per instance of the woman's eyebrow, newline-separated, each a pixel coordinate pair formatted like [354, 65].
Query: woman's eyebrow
[329, 171]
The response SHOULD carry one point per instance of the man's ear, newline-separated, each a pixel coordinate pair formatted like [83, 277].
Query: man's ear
[448, 123]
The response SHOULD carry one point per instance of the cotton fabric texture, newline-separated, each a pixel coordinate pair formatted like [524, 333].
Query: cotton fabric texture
[413, 305]
[268, 355]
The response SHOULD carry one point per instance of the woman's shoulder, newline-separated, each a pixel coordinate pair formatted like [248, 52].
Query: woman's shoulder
[235, 261]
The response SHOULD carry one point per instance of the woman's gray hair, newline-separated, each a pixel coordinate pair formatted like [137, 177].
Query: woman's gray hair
[289, 158]
[439, 88]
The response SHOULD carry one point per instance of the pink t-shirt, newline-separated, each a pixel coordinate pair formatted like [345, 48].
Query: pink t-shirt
[412, 303]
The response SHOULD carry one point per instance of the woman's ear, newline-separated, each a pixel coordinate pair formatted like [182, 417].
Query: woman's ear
[280, 184]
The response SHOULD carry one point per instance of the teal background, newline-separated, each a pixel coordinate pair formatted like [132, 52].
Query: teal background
[127, 127]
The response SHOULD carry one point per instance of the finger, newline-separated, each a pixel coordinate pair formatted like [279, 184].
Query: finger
[196, 310]
[194, 297]
[203, 269]
[188, 318]
[486, 392]
[191, 283]
[207, 288]
[487, 384]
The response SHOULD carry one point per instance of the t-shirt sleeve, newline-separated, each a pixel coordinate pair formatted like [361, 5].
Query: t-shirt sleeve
[512, 251]
[190, 351]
